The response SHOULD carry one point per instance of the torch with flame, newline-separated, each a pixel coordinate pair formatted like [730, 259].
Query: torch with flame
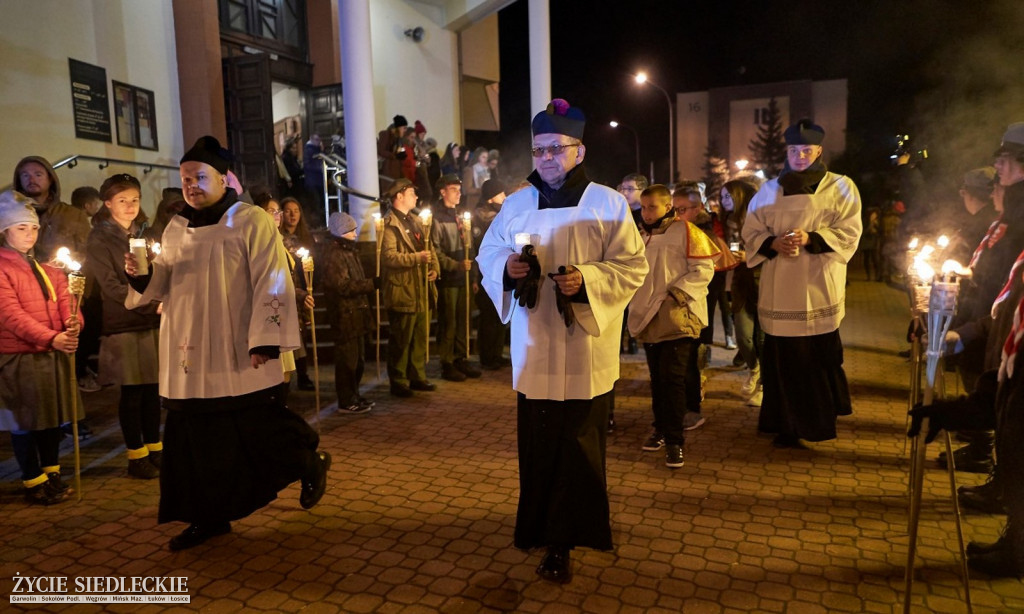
[76, 288]
[467, 237]
[426, 218]
[307, 271]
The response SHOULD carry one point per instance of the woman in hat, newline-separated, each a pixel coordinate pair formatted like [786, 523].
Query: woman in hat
[38, 333]
[129, 337]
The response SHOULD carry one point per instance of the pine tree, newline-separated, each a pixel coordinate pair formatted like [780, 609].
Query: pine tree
[768, 148]
[716, 172]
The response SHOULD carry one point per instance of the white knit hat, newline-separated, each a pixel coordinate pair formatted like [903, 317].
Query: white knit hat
[16, 208]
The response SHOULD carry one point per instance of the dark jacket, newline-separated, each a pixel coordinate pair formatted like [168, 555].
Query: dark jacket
[60, 224]
[107, 245]
[449, 246]
[346, 289]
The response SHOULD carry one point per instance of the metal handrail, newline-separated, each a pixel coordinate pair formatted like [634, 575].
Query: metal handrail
[72, 161]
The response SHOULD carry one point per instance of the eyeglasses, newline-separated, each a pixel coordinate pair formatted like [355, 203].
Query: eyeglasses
[553, 150]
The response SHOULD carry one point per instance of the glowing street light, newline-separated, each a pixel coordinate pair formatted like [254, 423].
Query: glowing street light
[636, 138]
[641, 78]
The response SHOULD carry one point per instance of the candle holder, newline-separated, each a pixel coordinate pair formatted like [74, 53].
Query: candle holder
[307, 271]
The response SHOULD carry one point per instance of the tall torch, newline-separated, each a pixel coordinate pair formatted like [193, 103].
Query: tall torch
[466, 238]
[378, 225]
[307, 270]
[426, 217]
[941, 309]
[76, 288]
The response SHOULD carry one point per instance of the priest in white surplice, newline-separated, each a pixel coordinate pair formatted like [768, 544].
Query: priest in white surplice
[803, 228]
[565, 304]
[230, 444]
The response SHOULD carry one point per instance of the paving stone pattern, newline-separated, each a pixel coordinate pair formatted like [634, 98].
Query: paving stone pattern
[421, 506]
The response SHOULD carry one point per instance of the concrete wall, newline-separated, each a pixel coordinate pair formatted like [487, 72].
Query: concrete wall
[132, 39]
[417, 80]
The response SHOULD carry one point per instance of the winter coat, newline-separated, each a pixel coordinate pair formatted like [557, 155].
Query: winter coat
[60, 224]
[107, 245]
[346, 289]
[29, 320]
[402, 284]
[449, 247]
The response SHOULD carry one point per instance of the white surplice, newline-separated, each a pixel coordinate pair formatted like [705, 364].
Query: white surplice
[598, 237]
[804, 295]
[226, 289]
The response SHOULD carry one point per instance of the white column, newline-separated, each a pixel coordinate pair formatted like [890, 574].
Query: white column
[360, 121]
[540, 56]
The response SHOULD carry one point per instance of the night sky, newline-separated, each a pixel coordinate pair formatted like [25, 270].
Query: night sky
[948, 73]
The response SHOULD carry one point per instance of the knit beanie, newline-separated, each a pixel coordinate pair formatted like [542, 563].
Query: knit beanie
[16, 208]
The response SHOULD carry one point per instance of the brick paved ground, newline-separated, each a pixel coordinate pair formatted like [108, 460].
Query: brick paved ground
[419, 514]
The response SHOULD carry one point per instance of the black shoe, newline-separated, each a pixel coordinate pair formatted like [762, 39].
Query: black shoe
[450, 373]
[998, 563]
[142, 469]
[654, 443]
[467, 369]
[737, 360]
[423, 386]
[555, 566]
[196, 534]
[788, 441]
[45, 494]
[987, 497]
[156, 458]
[673, 456]
[57, 484]
[978, 548]
[313, 488]
[306, 384]
[972, 458]
[400, 390]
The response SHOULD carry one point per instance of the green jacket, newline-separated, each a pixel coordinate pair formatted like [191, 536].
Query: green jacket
[403, 276]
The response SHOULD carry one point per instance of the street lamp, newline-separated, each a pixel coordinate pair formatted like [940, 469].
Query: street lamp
[615, 124]
[641, 78]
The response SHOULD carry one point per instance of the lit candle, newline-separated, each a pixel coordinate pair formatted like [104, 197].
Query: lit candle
[943, 241]
[913, 243]
[307, 260]
[425, 217]
[156, 249]
[63, 256]
[522, 239]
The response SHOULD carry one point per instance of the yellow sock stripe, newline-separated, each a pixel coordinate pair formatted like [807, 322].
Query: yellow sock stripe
[155, 447]
[137, 454]
[52, 469]
[46, 279]
[34, 481]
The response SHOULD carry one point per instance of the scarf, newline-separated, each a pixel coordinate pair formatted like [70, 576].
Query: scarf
[659, 224]
[42, 278]
[802, 182]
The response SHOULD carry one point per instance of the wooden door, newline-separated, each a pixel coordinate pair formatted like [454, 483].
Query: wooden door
[250, 118]
[325, 114]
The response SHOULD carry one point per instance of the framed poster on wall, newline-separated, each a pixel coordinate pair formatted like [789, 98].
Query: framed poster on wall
[135, 116]
[89, 101]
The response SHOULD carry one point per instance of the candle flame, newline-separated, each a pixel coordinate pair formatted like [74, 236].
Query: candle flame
[425, 216]
[952, 266]
[75, 266]
[156, 248]
[302, 252]
[943, 241]
[63, 256]
[465, 216]
[376, 217]
[927, 251]
[913, 243]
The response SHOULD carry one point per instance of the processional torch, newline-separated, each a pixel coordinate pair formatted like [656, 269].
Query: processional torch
[378, 225]
[307, 271]
[938, 311]
[76, 288]
[426, 217]
[467, 236]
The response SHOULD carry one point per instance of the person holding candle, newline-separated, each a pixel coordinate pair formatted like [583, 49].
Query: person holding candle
[38, 333]
[346, 290]
[406, 291]
[447, 235]
[802, 228]
[129, 338]
[223, 277]
[296, 235]
[561, 261]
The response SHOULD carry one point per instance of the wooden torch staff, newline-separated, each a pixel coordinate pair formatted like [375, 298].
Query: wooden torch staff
[307, 270]
[378, 224]
[466, 237]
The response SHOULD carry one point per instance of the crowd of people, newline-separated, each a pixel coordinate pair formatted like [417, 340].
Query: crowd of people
[566, 272]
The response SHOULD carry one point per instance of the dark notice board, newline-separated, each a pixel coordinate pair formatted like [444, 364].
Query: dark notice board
[90, 101]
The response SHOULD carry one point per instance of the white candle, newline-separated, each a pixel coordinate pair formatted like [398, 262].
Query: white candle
[138, 249]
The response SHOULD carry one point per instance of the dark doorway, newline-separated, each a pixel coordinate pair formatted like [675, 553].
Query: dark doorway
[250, 118]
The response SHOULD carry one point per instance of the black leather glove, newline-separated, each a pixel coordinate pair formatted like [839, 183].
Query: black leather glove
[917, 329]
[971, 413]
[563, 302]
[526, 288]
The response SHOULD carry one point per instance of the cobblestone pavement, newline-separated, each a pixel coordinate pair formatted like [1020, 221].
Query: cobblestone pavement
[421, 503]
